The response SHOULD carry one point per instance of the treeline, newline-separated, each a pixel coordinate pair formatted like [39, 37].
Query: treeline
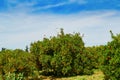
[59, 56]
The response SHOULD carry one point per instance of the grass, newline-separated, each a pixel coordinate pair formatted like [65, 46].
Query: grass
[98, 75]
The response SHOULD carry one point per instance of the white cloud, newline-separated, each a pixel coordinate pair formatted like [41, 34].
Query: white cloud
[60, 4]
[19, 30]
[16, 6]
[50, 6]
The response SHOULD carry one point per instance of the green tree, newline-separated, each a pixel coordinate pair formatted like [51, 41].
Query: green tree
[62, 55]
[27, 49]
[17, 61]
[111, 64]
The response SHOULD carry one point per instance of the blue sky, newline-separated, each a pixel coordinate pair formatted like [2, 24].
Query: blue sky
[26, 21]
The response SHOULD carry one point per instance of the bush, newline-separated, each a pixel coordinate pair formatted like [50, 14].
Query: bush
[111, 64]
[16, 61]
[63, 55]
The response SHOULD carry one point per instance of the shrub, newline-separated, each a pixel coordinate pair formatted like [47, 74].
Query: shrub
[111, 64]
[16, 61]
[95, 55]
[63, 55]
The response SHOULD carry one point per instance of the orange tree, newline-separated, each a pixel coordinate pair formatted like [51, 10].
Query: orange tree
[94, 55]
[17, 61]
[63, 55]
[111, 64]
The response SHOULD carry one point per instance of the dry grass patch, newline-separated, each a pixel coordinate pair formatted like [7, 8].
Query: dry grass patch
[98, 75]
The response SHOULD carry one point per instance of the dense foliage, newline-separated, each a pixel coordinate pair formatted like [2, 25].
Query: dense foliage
[16, 61]
[94, 55]
[61, 55]
[111, 64]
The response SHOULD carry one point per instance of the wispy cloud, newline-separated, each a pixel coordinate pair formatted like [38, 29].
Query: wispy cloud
[57, 6]
[20, 30]
[20, 6]
[19, 27]
[50, 6]
[80, 2]
[26, 6]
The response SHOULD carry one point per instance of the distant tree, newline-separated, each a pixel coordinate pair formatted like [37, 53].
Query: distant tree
[3, 49]
[27, 49]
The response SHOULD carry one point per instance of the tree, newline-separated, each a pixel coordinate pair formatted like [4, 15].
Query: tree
[17, 61]
[62, 55]
[111, 64]
[27, 49]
